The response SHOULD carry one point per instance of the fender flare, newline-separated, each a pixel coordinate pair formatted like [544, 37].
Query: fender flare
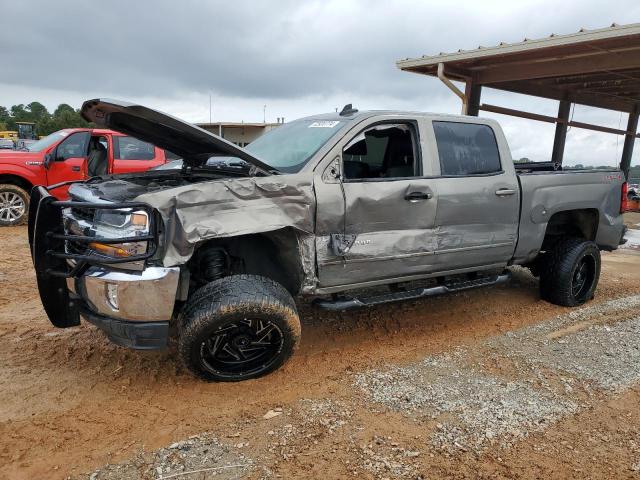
[20, 172]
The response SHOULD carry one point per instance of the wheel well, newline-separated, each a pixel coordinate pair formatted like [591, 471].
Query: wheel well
[275, 255]
[17, 181]
[581, 223]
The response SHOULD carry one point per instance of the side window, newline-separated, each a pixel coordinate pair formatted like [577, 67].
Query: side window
[383, 151]
[74, 146]
[466, 148]
[129, 148]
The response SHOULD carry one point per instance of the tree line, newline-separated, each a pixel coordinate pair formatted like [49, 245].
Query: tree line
[65, 116]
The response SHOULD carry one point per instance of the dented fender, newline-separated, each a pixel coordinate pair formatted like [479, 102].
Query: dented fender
[232, 207]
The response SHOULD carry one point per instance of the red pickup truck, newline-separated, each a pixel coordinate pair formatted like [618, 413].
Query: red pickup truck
[70, 154]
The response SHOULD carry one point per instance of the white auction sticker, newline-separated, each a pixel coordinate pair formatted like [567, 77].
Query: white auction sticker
[324, 124]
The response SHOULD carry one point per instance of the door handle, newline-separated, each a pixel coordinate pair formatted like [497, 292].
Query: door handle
[505, 192]
[417, 196]
[75, 169]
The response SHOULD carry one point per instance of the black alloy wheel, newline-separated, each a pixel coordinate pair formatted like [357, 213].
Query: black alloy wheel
[242, 348]
[238, 327]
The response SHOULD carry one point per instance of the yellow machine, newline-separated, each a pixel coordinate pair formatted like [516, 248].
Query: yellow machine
[12, 134]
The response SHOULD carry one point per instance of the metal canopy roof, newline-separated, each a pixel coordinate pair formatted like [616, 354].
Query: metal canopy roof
[599, 68]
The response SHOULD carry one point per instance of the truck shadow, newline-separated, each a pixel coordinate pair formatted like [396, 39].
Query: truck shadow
[334, 341]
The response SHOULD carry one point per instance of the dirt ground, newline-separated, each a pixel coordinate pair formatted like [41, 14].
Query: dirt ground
[491, 383]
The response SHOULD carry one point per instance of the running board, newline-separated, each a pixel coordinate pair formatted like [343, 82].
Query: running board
[347, 303]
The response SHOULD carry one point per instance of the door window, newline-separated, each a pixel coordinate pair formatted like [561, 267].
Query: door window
[74, 146]
[466, 149]
[129, 148]
[384, 151]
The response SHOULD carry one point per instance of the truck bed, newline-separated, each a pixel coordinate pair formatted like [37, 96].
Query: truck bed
[546, 193]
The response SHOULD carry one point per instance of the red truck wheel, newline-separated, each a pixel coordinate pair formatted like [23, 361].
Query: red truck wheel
[14, 205]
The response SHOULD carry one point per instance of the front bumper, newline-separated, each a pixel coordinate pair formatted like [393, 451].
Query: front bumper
[133, 308]
[146, 296]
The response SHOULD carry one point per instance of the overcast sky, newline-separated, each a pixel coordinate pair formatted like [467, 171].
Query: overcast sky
[297, 58]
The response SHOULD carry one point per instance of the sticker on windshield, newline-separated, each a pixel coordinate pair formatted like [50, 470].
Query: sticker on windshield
[324, 124]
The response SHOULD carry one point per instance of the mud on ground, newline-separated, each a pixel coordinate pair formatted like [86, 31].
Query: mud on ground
[491, 383]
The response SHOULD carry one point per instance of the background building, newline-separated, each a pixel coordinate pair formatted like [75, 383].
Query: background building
[239, 133]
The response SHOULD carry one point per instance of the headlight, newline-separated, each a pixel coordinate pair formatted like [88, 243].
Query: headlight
[121, 223]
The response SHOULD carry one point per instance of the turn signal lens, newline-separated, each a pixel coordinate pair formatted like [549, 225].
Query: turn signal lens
[109, 250]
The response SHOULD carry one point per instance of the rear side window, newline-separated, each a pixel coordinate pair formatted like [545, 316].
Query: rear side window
[129, 148]
[466, 149]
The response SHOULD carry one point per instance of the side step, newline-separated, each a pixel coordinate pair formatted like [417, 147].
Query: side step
[347, 303]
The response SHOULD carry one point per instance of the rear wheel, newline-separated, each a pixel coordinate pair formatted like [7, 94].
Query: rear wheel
[14, 205]
[238, 327]
[570, 272]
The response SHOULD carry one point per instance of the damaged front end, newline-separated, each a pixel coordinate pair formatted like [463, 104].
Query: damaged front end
[91, 260]
[120, 253]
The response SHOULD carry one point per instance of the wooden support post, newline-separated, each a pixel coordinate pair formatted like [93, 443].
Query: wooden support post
[561, 132]
[629, 140]
[473, 92]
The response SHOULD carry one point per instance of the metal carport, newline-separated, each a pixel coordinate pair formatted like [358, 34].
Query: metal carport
[598, 68]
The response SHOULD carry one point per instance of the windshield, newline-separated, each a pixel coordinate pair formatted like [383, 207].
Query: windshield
[47, 141]
[289, 147]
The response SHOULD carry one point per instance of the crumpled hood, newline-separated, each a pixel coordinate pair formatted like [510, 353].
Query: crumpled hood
[196, 211]
[228, 207]
[194, 144]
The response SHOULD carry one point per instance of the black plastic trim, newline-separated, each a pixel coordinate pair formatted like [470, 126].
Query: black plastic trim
[348, 303]
[136, 335]
[47, 242]
[59, 237]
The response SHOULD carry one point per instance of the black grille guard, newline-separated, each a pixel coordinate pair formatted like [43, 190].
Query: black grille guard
[47, 240]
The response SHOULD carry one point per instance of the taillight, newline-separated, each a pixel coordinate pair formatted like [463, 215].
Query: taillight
[624, 201]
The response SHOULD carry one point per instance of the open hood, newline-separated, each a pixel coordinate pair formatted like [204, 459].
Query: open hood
[194, 144]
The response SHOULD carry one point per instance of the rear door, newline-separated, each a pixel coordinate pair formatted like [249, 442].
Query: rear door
[384, 205]
[478, 196]
[68, 162]
[133, 155]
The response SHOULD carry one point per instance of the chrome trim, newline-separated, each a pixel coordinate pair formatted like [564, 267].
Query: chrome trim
[144, 296]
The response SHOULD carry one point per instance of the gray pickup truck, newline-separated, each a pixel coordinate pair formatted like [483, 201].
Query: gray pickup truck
[352, 208]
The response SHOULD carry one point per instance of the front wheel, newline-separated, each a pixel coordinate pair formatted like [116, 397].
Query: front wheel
[14, 205]
[570, 272]
[238, 327]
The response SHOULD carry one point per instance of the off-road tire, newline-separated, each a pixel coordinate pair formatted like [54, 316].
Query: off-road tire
[13, 191]
[560, 272]
[232, 304]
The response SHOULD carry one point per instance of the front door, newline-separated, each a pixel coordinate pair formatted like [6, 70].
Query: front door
[478, 197]
[68, 162]
[386, 212]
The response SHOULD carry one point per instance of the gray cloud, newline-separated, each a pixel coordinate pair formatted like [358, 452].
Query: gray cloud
[283, 49]
[286, 52]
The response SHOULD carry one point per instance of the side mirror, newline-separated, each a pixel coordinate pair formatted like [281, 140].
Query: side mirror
[48, 158]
